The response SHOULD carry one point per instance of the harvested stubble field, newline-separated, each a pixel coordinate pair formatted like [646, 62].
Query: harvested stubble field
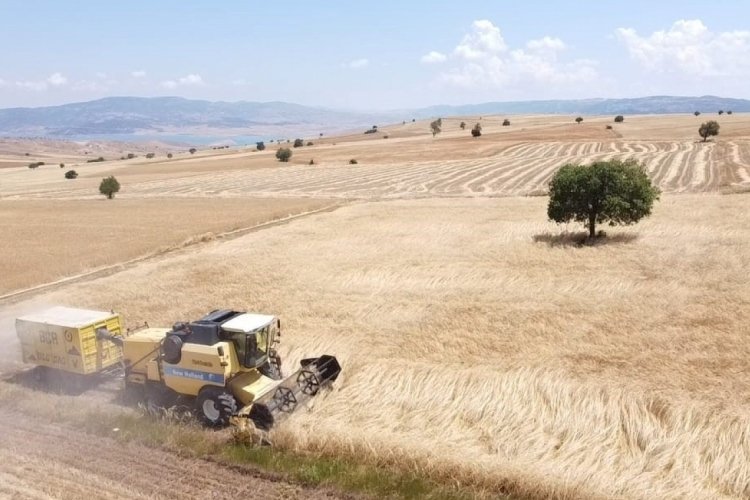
[47, 240]
[480, 346]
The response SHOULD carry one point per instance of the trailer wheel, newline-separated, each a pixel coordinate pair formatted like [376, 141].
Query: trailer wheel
[214, 406]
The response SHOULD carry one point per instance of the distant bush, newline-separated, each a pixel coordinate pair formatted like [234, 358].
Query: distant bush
[298, 143]
[721, 112]
[310, 143]
[506, 123]
[150, 155]
[476, 130]
[109, 186]
[729, 112]
[35, 164]
[95, 160]
[131, 156]
[371, 131]
[708, 129]
[284, 154]
[192, 151]
[579, 120]
[27, 154]
[436, 126]
[312, 162]
[697, 113]
[609, 127]
[260, 146]
[62, 165]
[71, 174]
[385, 136]
[619, 119]
[463, 125]
[169, 155]
[352, 162]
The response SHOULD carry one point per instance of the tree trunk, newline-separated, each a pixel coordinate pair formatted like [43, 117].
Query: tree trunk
[592, 226]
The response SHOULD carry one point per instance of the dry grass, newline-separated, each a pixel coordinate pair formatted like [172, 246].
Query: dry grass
[473, 353]
[45, 240]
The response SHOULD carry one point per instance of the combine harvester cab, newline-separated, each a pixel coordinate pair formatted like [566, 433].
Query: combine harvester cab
[227, 363]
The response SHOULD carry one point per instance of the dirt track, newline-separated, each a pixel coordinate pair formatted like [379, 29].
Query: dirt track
[39, 459]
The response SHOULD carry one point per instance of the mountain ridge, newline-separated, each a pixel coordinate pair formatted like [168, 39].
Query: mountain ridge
[128, 115]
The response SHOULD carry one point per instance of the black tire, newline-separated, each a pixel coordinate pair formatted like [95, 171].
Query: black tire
[214, 406]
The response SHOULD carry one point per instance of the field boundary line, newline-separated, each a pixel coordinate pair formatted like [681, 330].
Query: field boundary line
[190, 244]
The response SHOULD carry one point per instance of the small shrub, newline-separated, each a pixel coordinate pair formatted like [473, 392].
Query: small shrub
[708, 129]
[169, 155]
[298, 143]
[71, 174]
[619, 119]
[34, 165]
[476, 130]
[352, 162]
[260, 146]
[283, 154]
[506, 123]
[27, 154]
[609, 127]
[192, 151]
[579, 120]
[697, 113]
[310, 143]
[371, 131]
[62, 165]
[131, 156]
[729, 112]
[312, 162]
[109, 186]
[463, 125]
[150, 155]
[385, 137]
[721, 112]
[95, 160]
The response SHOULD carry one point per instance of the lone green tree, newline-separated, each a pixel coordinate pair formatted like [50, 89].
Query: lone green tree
[260, 146]
[697, 113]
[614, 191]
[283, 154]
[476, 130]
[619, 119]
[109, 186]
[506, 123]
[579, 120]
[436, 126]
[298, 143]
[708, 129]
[463, 125]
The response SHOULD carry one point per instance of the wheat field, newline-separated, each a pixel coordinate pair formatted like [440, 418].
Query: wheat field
[480, 346]
[493, 354]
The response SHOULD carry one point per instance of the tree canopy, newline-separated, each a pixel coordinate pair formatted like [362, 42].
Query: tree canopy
[284, 154]
[435, 126]
[109, 186]
[614, 191]
[708, 129]
[476, 131]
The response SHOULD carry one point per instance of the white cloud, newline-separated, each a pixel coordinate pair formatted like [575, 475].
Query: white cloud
[57, 80]
[138, 74]
[483, 59]
[433, 57]
[357, 64]
[689, 47]
[192, 79]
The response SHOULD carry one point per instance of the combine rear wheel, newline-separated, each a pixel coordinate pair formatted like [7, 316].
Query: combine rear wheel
[214, 406]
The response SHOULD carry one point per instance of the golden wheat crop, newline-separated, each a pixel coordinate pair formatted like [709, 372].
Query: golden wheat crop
[479, 346]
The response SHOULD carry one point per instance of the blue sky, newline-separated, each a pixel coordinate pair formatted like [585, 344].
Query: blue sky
[371, 55]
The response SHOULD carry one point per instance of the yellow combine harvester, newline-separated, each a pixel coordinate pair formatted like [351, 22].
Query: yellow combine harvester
[225, 363]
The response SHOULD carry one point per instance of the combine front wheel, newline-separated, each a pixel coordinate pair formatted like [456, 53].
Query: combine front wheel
[214, 406]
